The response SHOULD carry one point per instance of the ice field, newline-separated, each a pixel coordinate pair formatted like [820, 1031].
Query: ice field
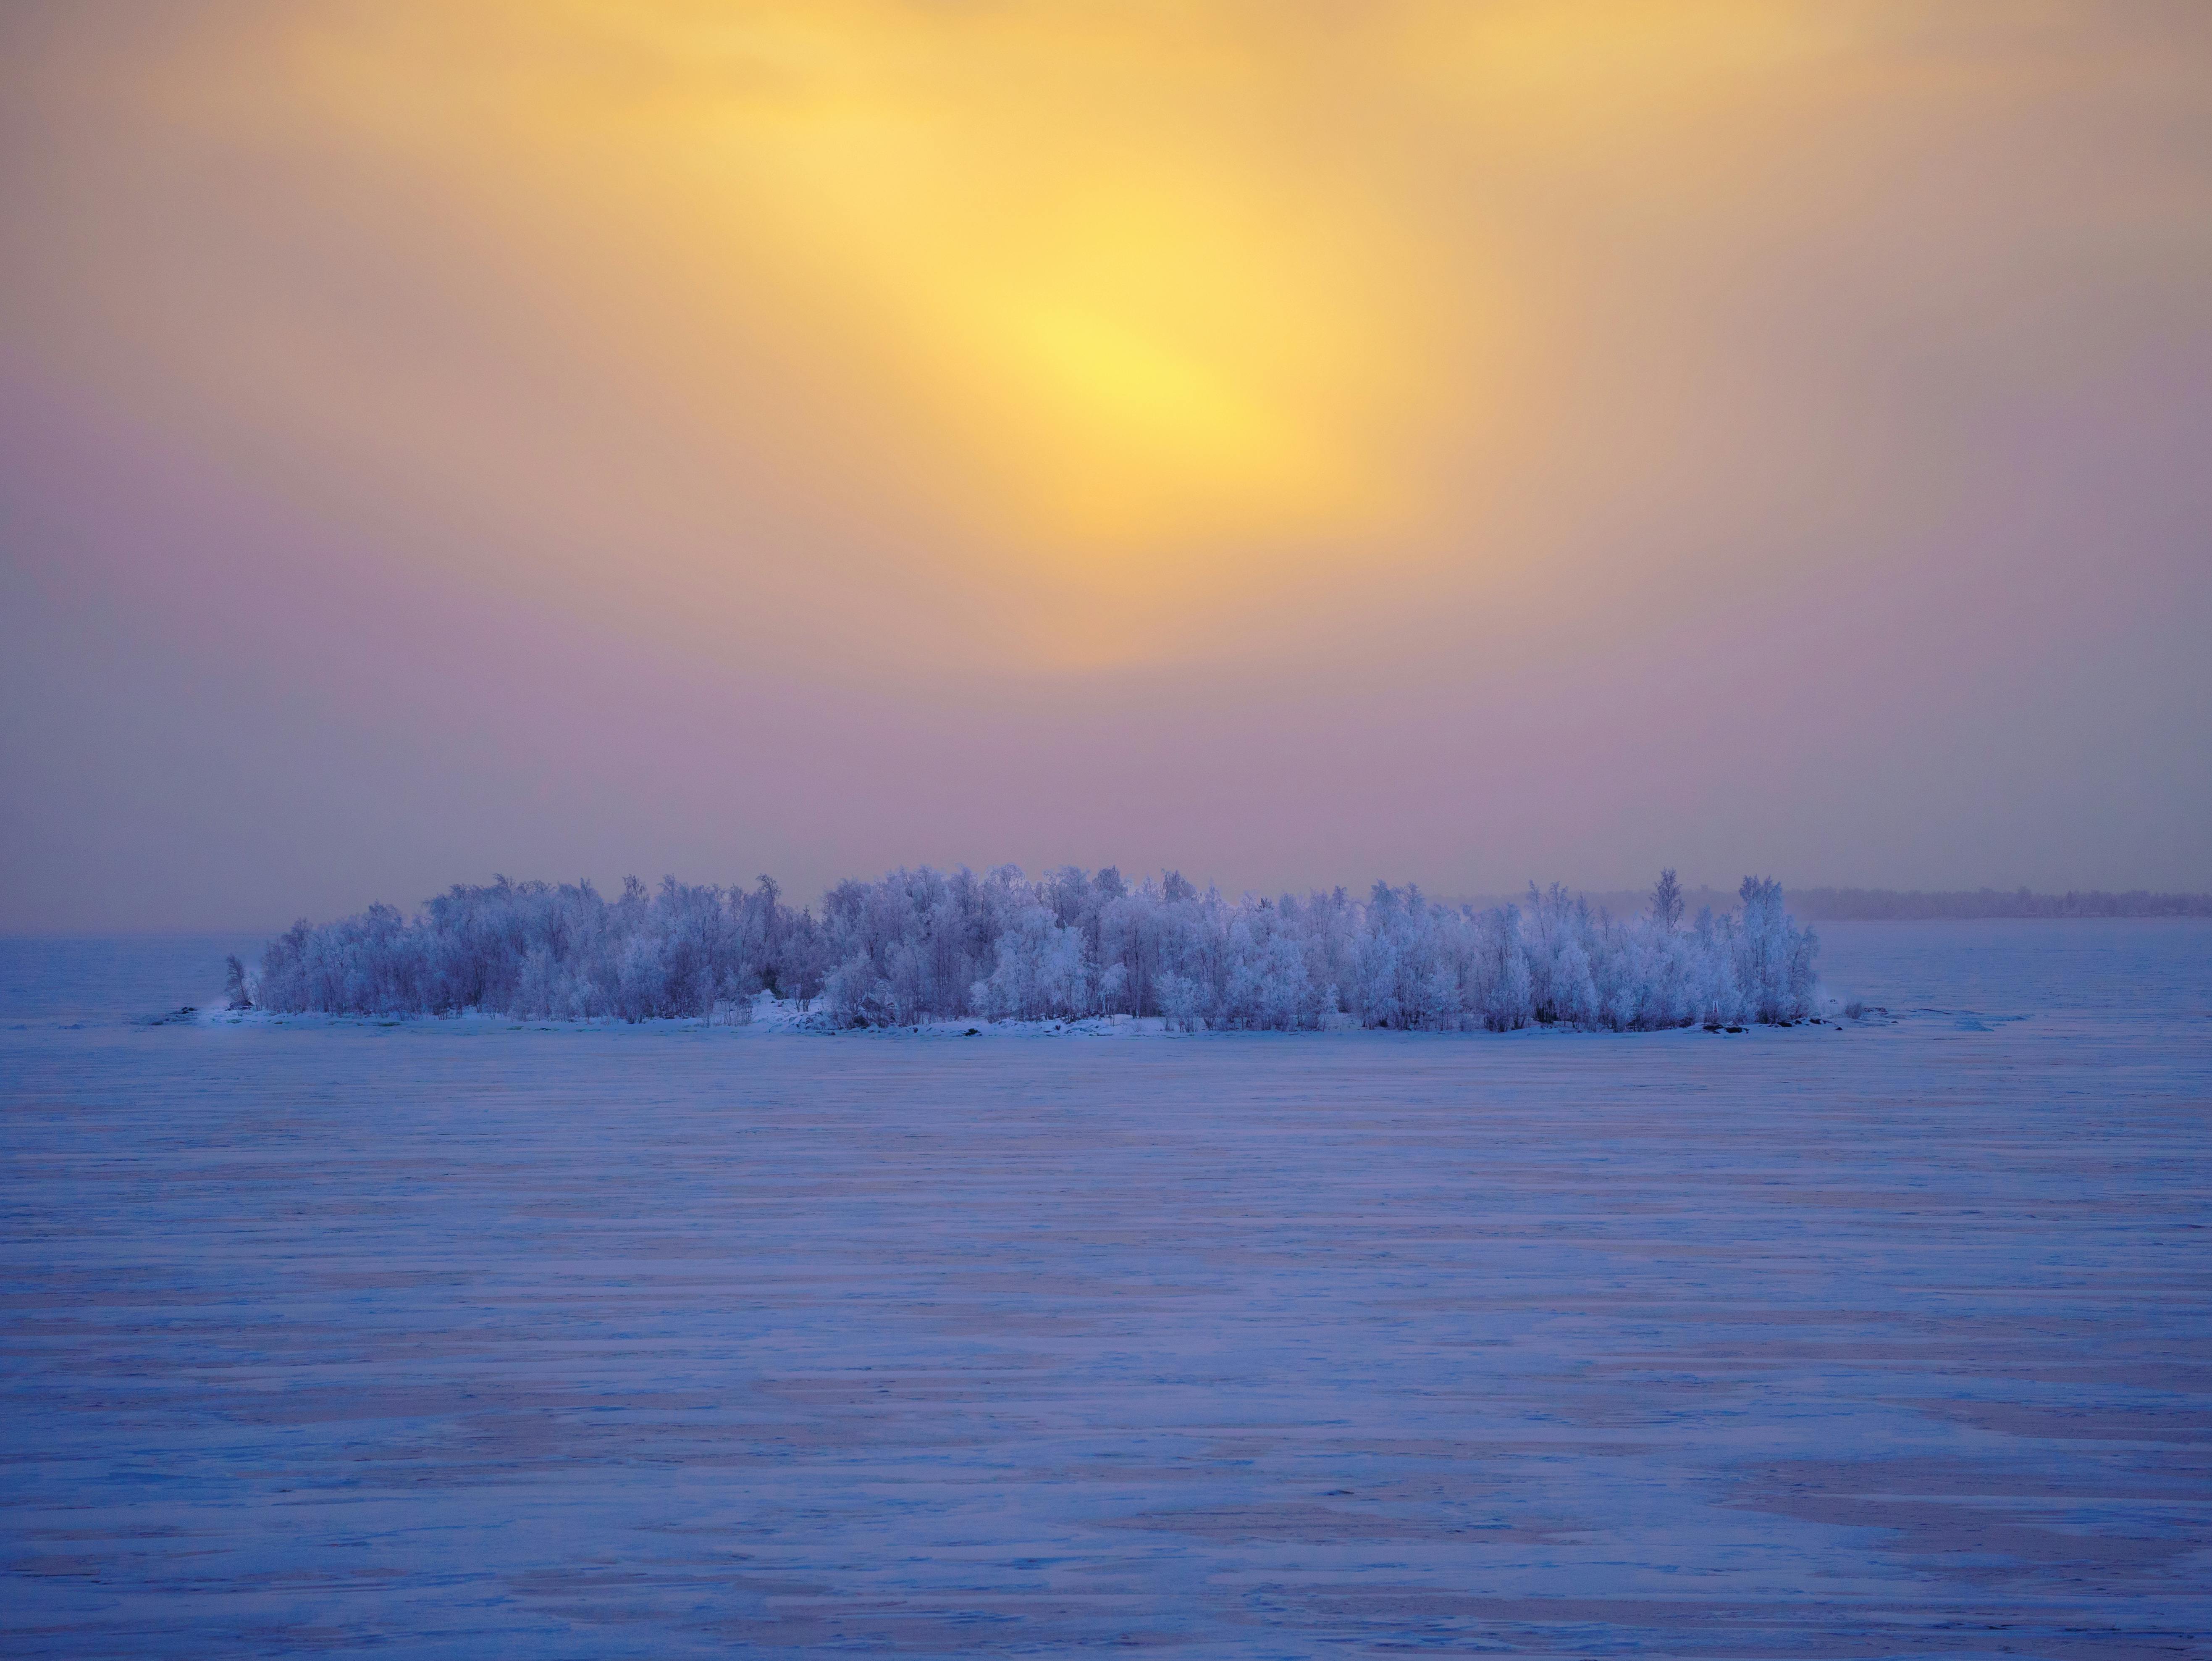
[452, 1340]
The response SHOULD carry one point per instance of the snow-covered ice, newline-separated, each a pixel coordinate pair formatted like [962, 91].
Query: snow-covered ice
[467, 1338]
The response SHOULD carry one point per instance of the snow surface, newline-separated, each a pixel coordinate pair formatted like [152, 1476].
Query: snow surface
[466, 1338]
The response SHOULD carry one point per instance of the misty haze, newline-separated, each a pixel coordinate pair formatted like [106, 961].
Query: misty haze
[1480, 730]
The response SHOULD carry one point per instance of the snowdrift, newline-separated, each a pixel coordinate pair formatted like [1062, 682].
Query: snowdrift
[925, 946]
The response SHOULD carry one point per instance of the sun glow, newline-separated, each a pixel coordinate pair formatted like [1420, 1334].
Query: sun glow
[1112, 317]
[1115, 310]
[1119, 331]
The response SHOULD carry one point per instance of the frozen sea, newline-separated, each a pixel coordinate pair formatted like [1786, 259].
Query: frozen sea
[445, 1339]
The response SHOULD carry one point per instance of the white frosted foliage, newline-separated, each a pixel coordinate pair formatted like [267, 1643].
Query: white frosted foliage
[925, 944]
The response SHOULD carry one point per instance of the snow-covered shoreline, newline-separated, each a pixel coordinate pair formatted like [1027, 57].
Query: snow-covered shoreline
[771, 1017]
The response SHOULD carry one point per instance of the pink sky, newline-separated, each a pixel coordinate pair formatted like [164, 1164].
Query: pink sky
[1461, 443]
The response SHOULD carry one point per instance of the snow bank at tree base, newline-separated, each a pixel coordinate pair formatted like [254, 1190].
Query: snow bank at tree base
[773, 1017]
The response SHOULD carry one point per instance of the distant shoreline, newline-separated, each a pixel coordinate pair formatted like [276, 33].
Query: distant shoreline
[1937, 905]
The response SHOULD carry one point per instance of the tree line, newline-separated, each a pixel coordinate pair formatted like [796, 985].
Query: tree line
[922, 945]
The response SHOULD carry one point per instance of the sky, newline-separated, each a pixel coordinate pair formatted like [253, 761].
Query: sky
[1296, 443]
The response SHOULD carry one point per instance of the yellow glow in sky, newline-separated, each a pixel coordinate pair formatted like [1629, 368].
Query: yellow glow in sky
[1099, 301]
[1122, 299]
[1115, 318]
[1116, 345]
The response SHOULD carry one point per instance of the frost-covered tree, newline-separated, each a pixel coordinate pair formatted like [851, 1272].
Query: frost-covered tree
[921, 944]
